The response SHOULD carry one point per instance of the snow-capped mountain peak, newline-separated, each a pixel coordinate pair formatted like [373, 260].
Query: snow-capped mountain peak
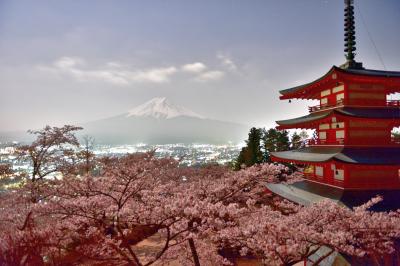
[161, 108]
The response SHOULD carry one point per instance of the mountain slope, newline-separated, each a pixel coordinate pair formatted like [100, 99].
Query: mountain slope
[160, 122]
[157, 121]
[161, 108]
[123, 130]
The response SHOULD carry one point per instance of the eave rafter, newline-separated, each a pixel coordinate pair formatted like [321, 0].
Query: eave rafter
[340, 117]
[308, 125]
[312, 89]
[338, 163]
[347, 156]
[337, 75]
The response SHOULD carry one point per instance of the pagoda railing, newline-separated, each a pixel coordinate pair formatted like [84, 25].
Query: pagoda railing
[308, 175]
[395, 103]
[324, 106]
[387, 103]
[312, 142]
[395, 140]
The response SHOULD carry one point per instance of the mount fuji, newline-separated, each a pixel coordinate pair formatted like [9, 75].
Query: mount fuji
[161, 108]
[159, 121]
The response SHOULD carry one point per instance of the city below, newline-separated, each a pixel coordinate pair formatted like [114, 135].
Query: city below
[187, 154]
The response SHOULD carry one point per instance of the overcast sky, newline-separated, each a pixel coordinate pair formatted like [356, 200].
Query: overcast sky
[76, 61]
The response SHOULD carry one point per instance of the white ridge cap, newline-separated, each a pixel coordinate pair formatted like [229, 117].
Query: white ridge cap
[161, 108]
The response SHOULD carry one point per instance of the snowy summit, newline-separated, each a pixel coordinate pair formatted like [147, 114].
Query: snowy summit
[161, 108]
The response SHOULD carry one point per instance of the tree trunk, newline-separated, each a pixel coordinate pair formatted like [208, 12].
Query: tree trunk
[195, 256]
[316, 263]
[87, 161]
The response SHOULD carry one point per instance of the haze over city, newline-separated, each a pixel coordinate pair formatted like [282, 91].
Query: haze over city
[78, 61]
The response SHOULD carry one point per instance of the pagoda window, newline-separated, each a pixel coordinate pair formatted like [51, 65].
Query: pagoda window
[309, 170]
[339, 97]
[338, 125]
[324, 126]
[325, 93]
[324, 101]
[339, 174]
[319, 171]
[340, 134]
[338, 89]
[322, 135]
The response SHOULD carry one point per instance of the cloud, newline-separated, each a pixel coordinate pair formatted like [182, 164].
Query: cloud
[113, 72]
[157, 75]
[210, 76]
[120, 74]
[194, 68]
[68, 62]
[227, 62]
[114, 64]
[200, 71]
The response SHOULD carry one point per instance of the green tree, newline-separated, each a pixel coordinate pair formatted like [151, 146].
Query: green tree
[296, 141]
[254, 146]
[275, 140]
[251, 154]
[269, 142]
[282, 143]
[240, 160]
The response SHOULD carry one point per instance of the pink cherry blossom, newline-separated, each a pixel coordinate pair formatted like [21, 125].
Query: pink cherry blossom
[101, 220]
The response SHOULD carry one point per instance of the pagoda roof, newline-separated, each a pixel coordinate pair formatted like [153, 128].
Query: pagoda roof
[374, 113]
[308, 192]
[304, 119]
[372, 72]
[305, 91]
[351, 155]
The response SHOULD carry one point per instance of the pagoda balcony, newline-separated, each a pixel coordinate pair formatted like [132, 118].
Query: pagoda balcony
[387, 103]
[395, 103]
[320, 179]
[316, 142]
[312, 142]
[396, 140]
[320, 107]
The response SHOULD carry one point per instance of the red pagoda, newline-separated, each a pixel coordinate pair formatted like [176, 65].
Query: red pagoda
[353, 155]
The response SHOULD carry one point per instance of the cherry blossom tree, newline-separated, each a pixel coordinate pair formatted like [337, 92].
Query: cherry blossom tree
[5, 169]
[198, 213]
[49, 153]
[281, 239]
[86, 155]
[6, 175]
[103, 218]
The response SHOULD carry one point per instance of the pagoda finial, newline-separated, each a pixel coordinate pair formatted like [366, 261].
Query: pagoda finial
[350, 36]
[350, 32]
